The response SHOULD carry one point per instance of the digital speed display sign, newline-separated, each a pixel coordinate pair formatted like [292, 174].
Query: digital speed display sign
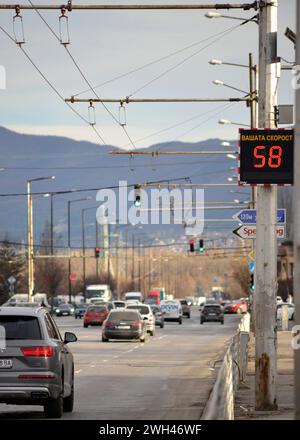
[266, 157]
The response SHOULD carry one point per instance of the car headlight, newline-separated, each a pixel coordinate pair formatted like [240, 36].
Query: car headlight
[72, 310]
[57, 310]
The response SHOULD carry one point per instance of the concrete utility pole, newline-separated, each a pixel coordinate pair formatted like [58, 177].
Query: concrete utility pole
[266, 242]
[296, 205]
[30, 243]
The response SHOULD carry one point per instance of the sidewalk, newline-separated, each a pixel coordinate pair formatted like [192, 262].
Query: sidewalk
[244, 400]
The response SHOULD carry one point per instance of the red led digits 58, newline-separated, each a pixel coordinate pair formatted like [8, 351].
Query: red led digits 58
[274, 160]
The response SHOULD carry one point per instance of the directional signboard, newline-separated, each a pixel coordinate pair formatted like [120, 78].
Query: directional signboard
[249, 231]
[248, 216]
[251, 266]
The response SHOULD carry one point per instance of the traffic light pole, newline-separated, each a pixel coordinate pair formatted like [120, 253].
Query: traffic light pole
[266, 242]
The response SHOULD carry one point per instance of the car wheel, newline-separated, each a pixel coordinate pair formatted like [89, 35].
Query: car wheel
[162, 325]
[143, 338]
[189, 316]
[152, 333]
[85, 325]
[76, 317]
[104, 339]
[201, 322]
[180, 321]
[222, 322]
[68, 404]
[54, 408]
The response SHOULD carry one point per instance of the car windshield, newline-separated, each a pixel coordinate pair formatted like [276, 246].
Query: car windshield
[20, 327]
[124, 315]
[65, 306]
[97, 309]
[144, 310]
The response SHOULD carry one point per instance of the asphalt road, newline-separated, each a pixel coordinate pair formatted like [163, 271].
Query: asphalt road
[168, 377]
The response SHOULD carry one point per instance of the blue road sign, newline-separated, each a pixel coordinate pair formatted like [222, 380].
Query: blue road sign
[251, 266]
[248, 216]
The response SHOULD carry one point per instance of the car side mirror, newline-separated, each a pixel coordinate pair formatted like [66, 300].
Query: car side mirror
[70, 337]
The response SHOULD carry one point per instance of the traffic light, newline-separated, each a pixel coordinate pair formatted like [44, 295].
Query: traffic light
[252, 287]
[201, 245]
[137, 196]
[192, 245]
[97, 252]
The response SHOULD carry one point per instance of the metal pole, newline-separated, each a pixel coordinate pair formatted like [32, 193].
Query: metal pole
[69, 252]
[296, 207]
[139, 265]
[97, 244]
[83, 251]
[51, 223]
[132, 264]
[72, 7]
[266, 243]
[29, 241]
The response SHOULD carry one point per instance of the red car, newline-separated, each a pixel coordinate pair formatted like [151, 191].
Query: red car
[237, 306]
[95, 315]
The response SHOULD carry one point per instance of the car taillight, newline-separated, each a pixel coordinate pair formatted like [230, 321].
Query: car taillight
[136, 324]
[108, 324]
[37, 351]
[36, 376]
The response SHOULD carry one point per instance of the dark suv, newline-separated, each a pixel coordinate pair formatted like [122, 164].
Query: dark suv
[36, 365]
[212, 312]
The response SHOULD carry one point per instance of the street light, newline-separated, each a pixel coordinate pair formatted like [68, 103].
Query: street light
[226, 144]
[218, 82]
[232, 179]
[218, 15]
[69, 241]
[227, 122]
[217, 62]
[30, 235]
[231, 156]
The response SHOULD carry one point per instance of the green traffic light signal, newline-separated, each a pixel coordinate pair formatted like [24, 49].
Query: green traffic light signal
[137, 201]
[201, 246]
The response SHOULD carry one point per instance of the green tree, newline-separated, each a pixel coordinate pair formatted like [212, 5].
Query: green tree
[11, 264]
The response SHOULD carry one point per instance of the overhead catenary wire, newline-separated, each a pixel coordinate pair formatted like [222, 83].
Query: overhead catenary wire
[55, 90]
[151, 63]
[81, 73]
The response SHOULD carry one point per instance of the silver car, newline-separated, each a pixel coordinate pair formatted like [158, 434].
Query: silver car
[36, 365]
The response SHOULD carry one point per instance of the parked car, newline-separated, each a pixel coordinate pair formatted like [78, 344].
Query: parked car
[291, 311]
[65, 310]
[186, 308]
[237, 306]
[172, 310]
[36, 365]
[146, 312]
[95, 315]
[212, 312]
[158, 314]
[124, 324]
[80, 310]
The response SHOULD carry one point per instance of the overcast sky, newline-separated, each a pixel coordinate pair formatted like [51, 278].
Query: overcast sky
[110, 43]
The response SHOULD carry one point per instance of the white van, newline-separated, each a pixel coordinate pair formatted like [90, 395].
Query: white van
[172, 310]
[133, 296]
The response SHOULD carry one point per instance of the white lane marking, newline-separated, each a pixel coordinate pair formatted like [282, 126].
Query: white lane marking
[78, 371]
[92, 366]
[116, 357]
[104, 360]
[137, 346]
[129, 351]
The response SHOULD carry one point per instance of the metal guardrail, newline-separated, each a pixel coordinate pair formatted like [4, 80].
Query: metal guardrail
[232, 372]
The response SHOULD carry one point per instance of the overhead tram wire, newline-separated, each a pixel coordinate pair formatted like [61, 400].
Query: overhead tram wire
[82, 74]
[180, 63]
[51, 85]
[151, 63]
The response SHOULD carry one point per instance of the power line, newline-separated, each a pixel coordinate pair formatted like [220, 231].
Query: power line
[170, 69]
[81, 72]
[50, 84]
[149, 64]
